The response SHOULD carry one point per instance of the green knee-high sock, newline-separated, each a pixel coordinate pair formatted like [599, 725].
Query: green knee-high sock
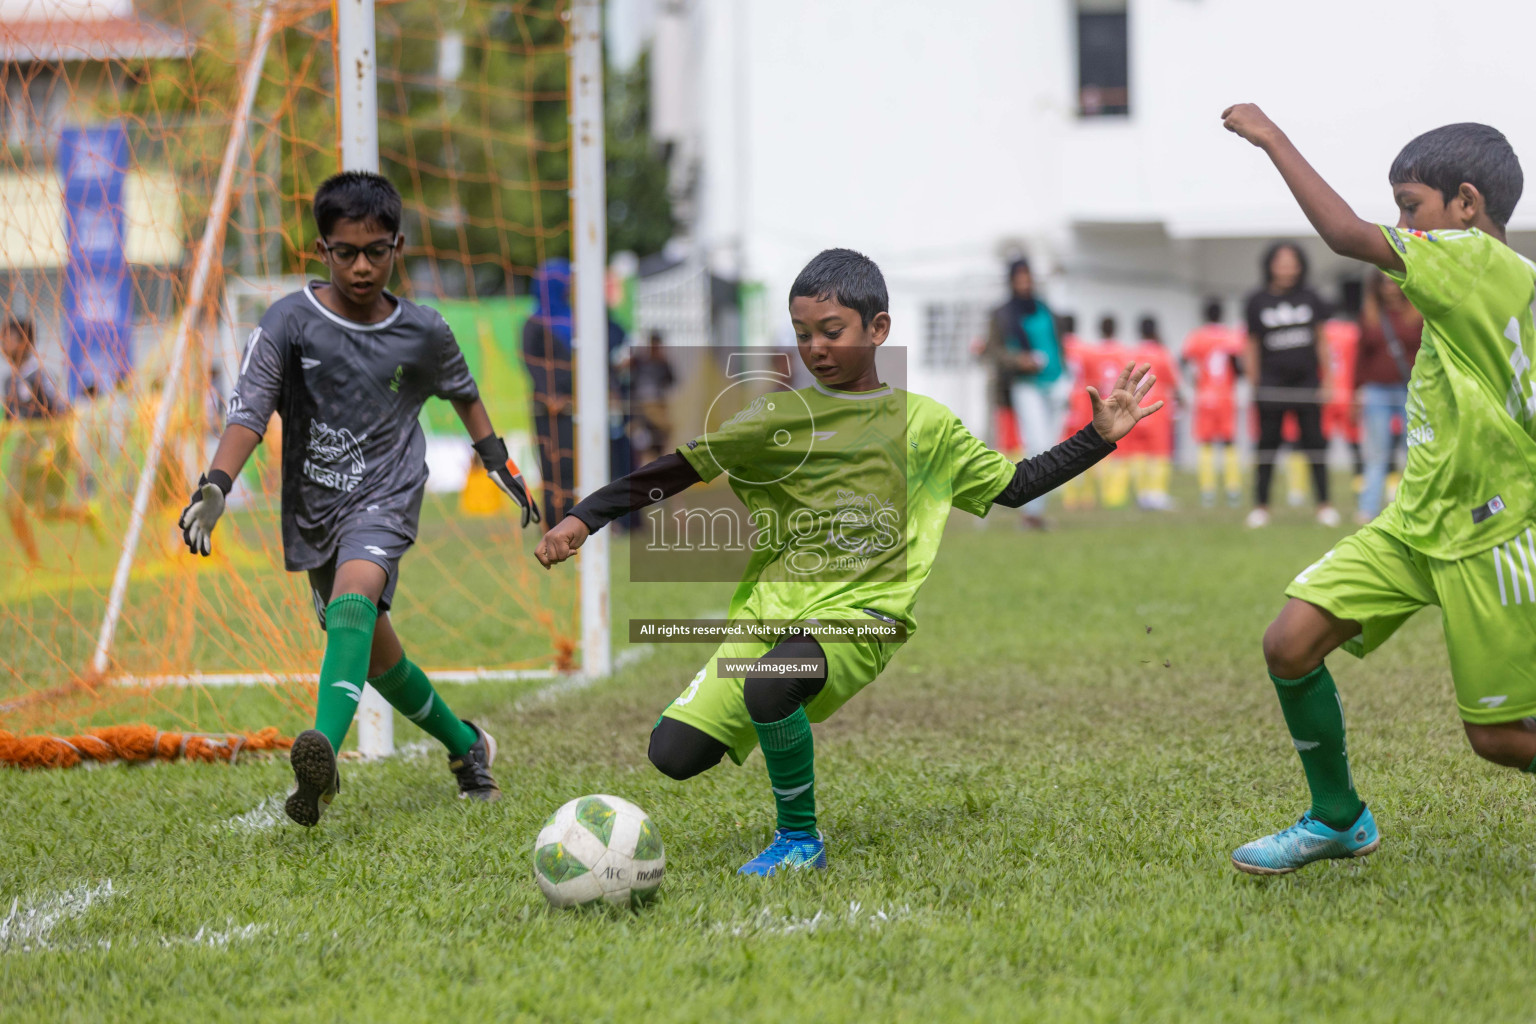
[1315, 716]
[349, 621]
[407, 689]
[791, 756]
[1531, 768]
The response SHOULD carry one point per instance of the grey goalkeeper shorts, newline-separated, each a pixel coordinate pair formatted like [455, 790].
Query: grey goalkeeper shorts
[379, 545]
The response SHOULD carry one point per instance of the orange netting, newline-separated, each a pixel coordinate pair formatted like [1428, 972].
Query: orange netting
[141, 94]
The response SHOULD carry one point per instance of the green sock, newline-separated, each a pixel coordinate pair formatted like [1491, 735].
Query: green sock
[407, 689]
[791, 756]
[349, 621]
[1531, 768]
[1315, 716]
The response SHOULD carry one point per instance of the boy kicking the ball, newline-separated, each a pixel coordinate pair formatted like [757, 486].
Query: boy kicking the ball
[1460, 534]
[348, 366]
[848, 483]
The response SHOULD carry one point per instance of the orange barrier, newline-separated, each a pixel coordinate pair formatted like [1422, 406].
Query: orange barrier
[133, 743]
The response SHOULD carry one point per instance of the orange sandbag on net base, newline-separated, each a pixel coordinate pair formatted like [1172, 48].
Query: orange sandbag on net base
[133, 743]
[116, 644]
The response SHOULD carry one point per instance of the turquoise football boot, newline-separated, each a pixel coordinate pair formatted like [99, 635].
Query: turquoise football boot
[790, 851]
[1304, 842]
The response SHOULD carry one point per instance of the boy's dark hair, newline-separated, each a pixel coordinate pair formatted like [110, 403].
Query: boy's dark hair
[1467, 152]
[1148, 329]
[1068, 323]
[22, 326]
[1275, 249]
[1108, 327]
[357, 195]
[1213, 310]
[845, 277]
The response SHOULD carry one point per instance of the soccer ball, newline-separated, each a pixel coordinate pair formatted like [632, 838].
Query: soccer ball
[598, 848]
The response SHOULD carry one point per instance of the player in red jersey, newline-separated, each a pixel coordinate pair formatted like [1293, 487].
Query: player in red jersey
[1080, 355]
[1103, 367]
[1153, 465]
[1339, 419]
[1213, 355]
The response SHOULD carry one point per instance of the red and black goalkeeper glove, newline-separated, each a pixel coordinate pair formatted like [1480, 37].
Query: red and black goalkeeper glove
[498, 463]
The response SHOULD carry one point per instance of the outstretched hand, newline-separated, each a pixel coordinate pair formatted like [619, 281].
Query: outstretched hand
[1115, 414]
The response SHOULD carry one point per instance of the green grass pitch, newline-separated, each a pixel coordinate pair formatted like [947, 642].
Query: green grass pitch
[1029, 818]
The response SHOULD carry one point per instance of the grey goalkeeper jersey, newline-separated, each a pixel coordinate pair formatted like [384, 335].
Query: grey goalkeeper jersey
[350, 396]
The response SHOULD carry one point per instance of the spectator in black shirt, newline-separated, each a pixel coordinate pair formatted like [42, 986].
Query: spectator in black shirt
[1287, 361]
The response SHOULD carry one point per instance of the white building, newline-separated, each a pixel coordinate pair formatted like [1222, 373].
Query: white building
[939, 138]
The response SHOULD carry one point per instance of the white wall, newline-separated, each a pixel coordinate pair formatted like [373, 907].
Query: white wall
[937, 137]
[1349, 81]
[879, 124]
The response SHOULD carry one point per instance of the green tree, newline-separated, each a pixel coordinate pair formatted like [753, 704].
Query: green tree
[639, 209]
[483, 160]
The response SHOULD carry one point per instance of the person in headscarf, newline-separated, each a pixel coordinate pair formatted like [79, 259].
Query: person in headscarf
[1026, 353]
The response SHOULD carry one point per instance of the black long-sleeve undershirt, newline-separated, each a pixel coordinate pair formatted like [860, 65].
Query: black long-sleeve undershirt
[1050, 469]
[666, 476]
[652, 482]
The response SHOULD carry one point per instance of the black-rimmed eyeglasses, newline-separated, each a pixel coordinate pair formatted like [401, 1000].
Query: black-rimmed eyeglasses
[346, 255]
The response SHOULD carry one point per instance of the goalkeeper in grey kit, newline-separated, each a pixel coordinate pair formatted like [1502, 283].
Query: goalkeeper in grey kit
[348, 366]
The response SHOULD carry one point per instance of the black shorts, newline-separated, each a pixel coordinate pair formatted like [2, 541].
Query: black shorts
[381, 546]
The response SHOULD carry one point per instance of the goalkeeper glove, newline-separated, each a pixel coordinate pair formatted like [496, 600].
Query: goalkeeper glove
[203, 511]
[498, 463]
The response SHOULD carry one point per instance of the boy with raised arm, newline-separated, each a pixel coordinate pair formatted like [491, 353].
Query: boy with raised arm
[864, 475]
[1459, 534]
[348, 366]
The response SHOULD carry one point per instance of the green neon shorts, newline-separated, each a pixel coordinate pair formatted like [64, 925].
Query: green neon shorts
[715, 705]
[1487, 603]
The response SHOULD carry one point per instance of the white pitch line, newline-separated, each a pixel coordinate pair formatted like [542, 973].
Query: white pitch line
[259, 818]
[767, 922]
[628, 656]
[222, 679]
[28, 927]
[216, 939]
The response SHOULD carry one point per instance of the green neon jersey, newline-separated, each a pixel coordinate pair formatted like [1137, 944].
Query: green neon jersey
[847, 493]
[1470, 482]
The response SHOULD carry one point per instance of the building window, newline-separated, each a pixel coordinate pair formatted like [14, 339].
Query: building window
[1103, 59]
[954, 333]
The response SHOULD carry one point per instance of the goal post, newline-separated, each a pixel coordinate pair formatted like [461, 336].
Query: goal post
[357, 110]
[357, 101]
[589, 245]
[145, 263]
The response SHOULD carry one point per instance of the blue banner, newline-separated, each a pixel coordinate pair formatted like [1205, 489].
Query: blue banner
[98, 292]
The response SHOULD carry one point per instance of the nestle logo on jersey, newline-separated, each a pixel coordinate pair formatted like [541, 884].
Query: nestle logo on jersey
[335, 447]
[335, 480]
